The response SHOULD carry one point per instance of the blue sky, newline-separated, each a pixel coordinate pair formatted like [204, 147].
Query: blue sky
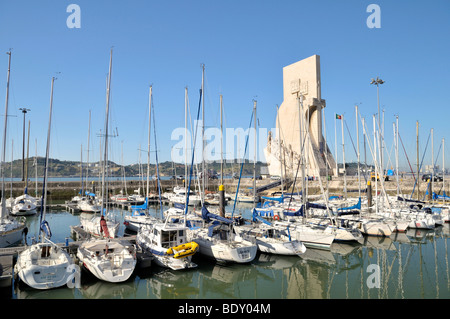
[244, 46]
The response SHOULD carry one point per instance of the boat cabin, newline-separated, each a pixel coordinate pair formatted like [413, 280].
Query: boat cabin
[167, 236]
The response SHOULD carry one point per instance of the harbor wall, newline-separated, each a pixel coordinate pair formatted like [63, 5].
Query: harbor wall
[65, 190]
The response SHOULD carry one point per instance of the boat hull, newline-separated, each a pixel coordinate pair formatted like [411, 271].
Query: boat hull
[160, 256]
[288, 248]
[44, 272]
[224, 253]
[115, 265]
[11, 235]
[311, 237]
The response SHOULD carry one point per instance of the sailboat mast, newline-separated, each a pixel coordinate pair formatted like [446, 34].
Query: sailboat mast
[148, 145]
[185, 141]
[279, 149]
[12, 158]
[35, 168]
[417, 146]
[302, 145]
[44, 187]
[375, 139]
[87, 160]
[343, 157]
[81, 169]
[396, 155]
[105, 161]
[432, 165]
[3, 203]
[26, 162]
[203, 135]
[443, 166]
[221, 139]
[254, 156]
[357, 145]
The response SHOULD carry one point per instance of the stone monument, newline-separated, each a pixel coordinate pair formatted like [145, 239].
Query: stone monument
[299, 125]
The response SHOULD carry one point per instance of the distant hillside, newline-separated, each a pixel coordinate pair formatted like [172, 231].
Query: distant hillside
[58, 168]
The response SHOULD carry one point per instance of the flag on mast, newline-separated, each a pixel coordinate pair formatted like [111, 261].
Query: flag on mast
[338, 117]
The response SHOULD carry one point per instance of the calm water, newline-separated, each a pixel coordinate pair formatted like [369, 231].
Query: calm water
[411, 265]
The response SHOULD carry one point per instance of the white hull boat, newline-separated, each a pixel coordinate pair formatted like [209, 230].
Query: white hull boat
[93, 226]
[166, 242]
[272, 240]
[134, 222]
[179, 197]
[24, 205]
[11, 232]
[422, 223]
[221, 244]
[194, 200]
[44, 265]
[88, 205]
[311, 236]
[111, 261]
[346, 232]
[218, 240]
[241, 198]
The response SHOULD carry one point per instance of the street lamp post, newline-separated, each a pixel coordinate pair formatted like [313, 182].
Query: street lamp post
[378, 82]
[24, 111]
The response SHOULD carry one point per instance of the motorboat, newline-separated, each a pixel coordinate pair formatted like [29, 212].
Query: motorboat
[166, 241]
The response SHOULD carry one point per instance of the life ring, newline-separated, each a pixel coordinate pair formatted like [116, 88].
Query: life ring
[276, 217]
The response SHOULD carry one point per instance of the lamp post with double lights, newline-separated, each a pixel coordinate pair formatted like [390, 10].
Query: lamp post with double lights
[378, 82]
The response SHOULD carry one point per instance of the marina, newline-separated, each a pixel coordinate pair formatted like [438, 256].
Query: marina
[252, 156]
[412, 265]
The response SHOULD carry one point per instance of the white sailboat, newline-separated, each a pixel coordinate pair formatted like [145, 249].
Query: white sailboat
[24, 205]
[270, 239]
[244, 198]
[165, 239]
[108, 260]
[11, 229]
[103, 226]
[140, 213]
[139, 216]
[217, 239]
[99, 226]
[44, 265]
[89, 204]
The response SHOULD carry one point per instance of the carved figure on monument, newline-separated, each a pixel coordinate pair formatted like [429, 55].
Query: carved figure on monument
[300, 119]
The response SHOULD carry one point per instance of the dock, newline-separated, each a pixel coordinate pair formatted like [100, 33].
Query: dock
[73, 208]
[6, 270]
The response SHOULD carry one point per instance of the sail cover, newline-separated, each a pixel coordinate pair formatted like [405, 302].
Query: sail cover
[104, 227]
[45, 227]
[206, 215]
